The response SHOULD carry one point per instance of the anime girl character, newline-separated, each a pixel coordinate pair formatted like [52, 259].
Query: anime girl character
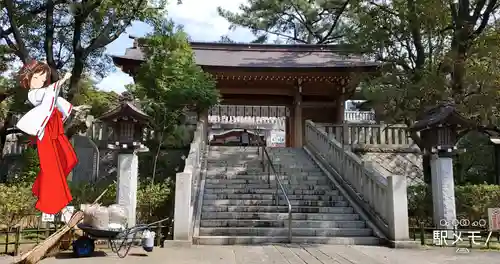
[45, 123]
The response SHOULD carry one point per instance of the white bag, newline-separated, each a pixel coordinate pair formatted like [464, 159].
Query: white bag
[99, 218]
[117, 216]
[88, 212]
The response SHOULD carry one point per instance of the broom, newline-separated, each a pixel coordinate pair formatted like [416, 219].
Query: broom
[52, 242]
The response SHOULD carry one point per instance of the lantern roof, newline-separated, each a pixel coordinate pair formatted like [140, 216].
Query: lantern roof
[126, 108]
[443, 114]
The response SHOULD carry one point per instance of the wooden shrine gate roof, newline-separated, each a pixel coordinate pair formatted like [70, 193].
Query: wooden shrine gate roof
[305, 56]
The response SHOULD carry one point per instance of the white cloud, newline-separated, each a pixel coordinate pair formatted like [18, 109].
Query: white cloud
[200, 20]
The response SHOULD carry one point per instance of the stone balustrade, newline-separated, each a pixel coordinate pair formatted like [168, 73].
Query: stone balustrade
[383, 197]
[187, 185]
[368, 135]
[359, 116]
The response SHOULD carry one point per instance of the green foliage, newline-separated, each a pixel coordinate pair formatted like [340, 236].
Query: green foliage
[6, 57]
[477, 164]
[296, 21]
[472, 201]
[170, 84]
[92, 24]
[170, 80]
[84, 193]
[417, 42]
[30, 168]
[152, 199]
[168, 162]
[16, 202]
[100, 101]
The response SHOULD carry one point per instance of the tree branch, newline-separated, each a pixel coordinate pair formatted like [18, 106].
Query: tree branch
[282, 35]
[335, 23]
[384, 8]
[304, 22]
[20, 47]
[34, 12]
[486, 17]
[104, 37]
[416, 36]
[49, 36]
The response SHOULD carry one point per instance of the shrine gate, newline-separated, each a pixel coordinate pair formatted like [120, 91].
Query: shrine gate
[310, 82]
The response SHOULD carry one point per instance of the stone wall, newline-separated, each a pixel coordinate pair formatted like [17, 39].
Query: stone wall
[396, 161]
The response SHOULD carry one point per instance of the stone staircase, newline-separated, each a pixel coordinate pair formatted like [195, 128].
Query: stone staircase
[238, 205]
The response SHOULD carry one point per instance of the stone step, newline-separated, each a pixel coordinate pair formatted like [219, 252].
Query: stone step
[264, 177]
[259, 181]
[272, 202]
[270, 231]
[279, 209]
[327, 224]
[270, 191]
[278, 216]
[283, 223]
[257, 167]
[246, 240]
[242, 223]
[217, 171]
[223, 196]
[265, 185]
[236, 162]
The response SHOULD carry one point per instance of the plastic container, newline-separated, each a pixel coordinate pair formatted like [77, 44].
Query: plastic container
[148, 240]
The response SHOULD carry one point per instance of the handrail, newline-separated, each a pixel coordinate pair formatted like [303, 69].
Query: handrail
[201, 190]
[270, 167]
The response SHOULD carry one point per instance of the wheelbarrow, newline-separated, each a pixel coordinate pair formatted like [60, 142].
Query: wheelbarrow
[120, 241]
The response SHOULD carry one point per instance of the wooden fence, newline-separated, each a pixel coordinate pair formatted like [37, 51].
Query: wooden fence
[15, 240]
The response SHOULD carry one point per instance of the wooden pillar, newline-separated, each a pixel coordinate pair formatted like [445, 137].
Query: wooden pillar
[341, 106]
[298, 122]
[288, 130]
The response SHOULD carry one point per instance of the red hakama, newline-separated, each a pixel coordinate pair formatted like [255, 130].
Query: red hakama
[57, 159]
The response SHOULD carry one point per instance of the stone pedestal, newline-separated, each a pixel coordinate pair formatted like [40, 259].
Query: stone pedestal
[443, 191]
[128, 166]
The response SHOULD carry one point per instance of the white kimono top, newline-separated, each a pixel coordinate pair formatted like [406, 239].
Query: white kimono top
[45, 100]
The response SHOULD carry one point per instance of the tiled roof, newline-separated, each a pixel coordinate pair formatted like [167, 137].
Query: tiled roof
[266, 56]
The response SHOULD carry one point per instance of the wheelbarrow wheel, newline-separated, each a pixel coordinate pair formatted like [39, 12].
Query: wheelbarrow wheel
[83, 247]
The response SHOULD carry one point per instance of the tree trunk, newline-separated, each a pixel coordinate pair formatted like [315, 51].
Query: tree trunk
[4, 133]
[76, 74]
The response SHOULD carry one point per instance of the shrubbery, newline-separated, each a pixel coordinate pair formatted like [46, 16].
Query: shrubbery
[16, 202]
[472, 202]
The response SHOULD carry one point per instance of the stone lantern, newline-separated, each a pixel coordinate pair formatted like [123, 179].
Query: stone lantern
[126, 125]
[439, 128]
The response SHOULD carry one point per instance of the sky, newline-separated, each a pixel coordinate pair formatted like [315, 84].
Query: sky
[200, 21]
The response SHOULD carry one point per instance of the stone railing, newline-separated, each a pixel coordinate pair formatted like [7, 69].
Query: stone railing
[382, 197]
[359, 116]
[247, 120]
[187, 184]
[368, 135]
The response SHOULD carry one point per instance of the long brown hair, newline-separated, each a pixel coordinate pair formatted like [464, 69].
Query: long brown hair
[29, 69]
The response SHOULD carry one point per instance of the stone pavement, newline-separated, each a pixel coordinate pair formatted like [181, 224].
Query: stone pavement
[288, 254]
